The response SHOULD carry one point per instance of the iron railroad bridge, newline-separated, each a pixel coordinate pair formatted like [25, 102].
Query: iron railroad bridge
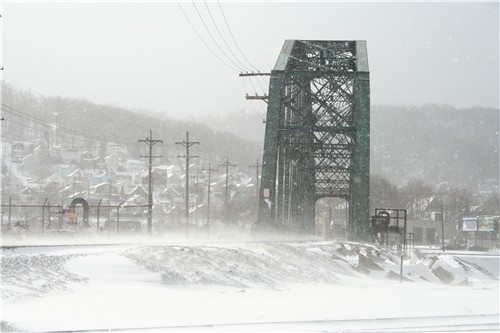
[317, 138]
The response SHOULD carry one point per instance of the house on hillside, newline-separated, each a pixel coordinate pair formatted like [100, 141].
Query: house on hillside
[168, 199]
[77, 175]
[90, 161]
[66, 192]
[159, 178]
[112, 163]
[134, 195]
[99, 176]
[70, 156]
[56, 179]
[67, 169]
[105, 191]
[29, 194]
[19, 151]
[134, 165]
[29, 163]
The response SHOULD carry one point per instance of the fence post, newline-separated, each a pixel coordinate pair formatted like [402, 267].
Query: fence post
[43, 215]
[118, 218]
[10, 211]
[49, 215]
[98, 209]
[61, 216]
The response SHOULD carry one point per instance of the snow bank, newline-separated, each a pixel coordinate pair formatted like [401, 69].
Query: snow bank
[126, 286]
[273, 264]
[25, 276]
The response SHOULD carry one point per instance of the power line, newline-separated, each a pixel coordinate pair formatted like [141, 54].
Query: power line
[76, 134]
[74, 137]
[208, 152]
[222, 37]
[210, 155]
[212, 37]
[258, 82]
[239, 48]
[57, 135]
[29, 117]
[253, 106]
[232, 36]
[258, 97]
[44, 99]
[225, 43]
[10, 82]
[203, 41]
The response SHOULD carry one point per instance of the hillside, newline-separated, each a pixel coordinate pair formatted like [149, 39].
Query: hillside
[66, 121]
[434, 143]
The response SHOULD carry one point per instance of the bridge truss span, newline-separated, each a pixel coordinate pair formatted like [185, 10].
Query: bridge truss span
[317, 134]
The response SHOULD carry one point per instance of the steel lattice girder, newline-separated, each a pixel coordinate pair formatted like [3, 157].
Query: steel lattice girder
[317, 134]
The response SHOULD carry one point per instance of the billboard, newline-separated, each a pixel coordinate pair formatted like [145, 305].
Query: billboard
[469, 224]
[485, 223]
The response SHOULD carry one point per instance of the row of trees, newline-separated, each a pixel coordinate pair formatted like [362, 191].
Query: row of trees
[421, 198]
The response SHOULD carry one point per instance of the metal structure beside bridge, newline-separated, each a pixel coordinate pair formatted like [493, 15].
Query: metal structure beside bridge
[317, 139]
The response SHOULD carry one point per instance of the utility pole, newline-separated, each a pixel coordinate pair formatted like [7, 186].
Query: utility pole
[227, 165]
[210, 170]
[187, 144]
[150, 142]
[256, 166]
[442, 222]
[109, 202]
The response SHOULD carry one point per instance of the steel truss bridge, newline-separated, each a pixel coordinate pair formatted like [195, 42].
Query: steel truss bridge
[317, 139]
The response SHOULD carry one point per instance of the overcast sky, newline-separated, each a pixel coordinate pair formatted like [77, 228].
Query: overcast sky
[147, 56]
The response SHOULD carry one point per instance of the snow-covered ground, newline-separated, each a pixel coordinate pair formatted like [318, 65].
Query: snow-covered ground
[246, 286]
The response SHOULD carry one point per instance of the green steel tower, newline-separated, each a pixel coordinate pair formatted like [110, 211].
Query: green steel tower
[317, 139]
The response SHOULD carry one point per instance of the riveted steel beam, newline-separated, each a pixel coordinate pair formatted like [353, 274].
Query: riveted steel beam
[317, 134]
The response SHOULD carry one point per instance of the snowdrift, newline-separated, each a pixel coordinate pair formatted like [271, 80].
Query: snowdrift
[254, 264]
[273, 264]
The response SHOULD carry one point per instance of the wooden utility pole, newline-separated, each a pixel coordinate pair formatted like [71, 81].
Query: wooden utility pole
[150, 142]
[227, 165]
[256, 166]
[210, 170]
[442, 222]
[187, 144]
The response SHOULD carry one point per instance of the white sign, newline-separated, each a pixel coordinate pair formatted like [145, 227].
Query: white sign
[469, 224]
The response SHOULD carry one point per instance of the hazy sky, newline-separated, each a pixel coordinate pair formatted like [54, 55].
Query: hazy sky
[146, 55]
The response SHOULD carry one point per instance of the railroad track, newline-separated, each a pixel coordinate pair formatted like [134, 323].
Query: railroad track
[186, 242]
[457, 323]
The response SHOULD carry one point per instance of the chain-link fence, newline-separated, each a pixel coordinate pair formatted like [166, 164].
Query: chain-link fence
[48, 217]
[65, 217]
